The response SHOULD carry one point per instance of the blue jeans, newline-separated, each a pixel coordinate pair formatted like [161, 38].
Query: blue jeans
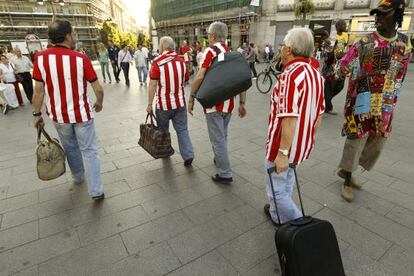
[179, 120]
[79, 140]
[217, 124]
[142, 73]
[283, 185]
[105, 68]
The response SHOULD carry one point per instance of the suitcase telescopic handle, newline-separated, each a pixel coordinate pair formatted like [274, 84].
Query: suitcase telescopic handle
[272, 170]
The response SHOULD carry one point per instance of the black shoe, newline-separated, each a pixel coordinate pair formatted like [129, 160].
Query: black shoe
[99, 197]
[222, 180]
[266, 210]
[188, 162]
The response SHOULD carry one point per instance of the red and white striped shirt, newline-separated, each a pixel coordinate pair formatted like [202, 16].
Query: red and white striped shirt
[298, 93]
[171, 73]
[65, 73]
[206, 61]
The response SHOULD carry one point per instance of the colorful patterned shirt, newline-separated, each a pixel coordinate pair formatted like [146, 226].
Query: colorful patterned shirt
[377, 66]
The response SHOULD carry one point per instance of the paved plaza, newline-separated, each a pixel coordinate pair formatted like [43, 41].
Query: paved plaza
[162, 218]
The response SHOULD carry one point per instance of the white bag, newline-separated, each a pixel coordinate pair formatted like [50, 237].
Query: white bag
[9, 95]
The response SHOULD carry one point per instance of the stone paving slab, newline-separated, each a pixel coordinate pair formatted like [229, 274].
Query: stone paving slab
[160, 218]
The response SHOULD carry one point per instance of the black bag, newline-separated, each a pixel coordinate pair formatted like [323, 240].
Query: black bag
[224, 79]
[307, 246]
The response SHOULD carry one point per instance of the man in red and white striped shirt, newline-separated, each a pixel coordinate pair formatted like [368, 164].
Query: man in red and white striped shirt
[296, 107]
[168, 76]
[218, 117]
[63, 74]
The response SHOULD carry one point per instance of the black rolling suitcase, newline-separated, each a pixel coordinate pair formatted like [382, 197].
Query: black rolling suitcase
[307, 246]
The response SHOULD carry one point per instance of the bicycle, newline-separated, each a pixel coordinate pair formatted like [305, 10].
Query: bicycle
[264, 82]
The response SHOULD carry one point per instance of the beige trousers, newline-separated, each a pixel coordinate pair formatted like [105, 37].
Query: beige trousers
[361, 151]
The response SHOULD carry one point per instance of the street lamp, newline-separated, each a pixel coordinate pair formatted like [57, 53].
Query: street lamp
[51, 2]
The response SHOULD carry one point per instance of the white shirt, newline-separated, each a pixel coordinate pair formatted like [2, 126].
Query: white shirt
[267, 50]
[22, 64]
[124, 56]
[139, 57]
[8, 72]
[145, 51]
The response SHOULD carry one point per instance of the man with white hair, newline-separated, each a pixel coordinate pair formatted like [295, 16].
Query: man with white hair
[170, 73]
[22, 64]
[297, 104]
[218, 117]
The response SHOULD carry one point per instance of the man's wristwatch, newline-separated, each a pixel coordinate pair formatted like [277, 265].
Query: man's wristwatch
[284, 152]
[36, 114]
[242, 102]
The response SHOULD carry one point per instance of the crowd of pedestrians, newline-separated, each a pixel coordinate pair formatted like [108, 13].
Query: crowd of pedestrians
[375, 64]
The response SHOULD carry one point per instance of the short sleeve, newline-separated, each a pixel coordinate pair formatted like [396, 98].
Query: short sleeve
[89, 71]
[36, 71]
[155, 71]
[207, 58]
[288, 97]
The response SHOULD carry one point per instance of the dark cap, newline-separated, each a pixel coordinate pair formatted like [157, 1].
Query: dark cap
[385, 6]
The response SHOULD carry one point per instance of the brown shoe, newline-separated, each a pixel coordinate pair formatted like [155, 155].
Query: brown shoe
[332, 112]
[354, 183]
[346, 193]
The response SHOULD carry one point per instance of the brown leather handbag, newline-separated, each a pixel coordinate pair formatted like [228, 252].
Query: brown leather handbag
[153, 140]
[50, 156]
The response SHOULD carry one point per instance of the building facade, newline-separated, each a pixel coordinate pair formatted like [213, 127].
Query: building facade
[189, 20]
[20, 19]
[261, 21]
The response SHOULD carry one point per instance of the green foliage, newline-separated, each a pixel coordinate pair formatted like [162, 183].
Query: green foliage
[303, 8]
[110, 32]
[143, 39]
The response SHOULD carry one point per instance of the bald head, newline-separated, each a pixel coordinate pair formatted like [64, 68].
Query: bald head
[340, 26]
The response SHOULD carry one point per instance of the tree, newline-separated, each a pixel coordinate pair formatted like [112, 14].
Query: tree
[143, 39]
[303, 8]
[109, 33]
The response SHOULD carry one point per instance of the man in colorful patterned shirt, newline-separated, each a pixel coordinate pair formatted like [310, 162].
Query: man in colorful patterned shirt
[377, 65]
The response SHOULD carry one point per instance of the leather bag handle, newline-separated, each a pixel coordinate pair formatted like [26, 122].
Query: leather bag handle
[152, 117]
[41, 130]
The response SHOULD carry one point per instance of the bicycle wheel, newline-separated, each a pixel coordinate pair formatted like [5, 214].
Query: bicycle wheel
[264, 82]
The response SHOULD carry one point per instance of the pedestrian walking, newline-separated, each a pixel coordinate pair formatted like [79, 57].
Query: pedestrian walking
[23, 65]
[218, 117]
[167, 80]
[141, 62]
[185, 52]
[124, 60]
[267, 53]
[297, 104]
[8, 76]
[113, 52]
[104, 61]
[377, 65]
[251, 59]
[61, 75]
[333, 84]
